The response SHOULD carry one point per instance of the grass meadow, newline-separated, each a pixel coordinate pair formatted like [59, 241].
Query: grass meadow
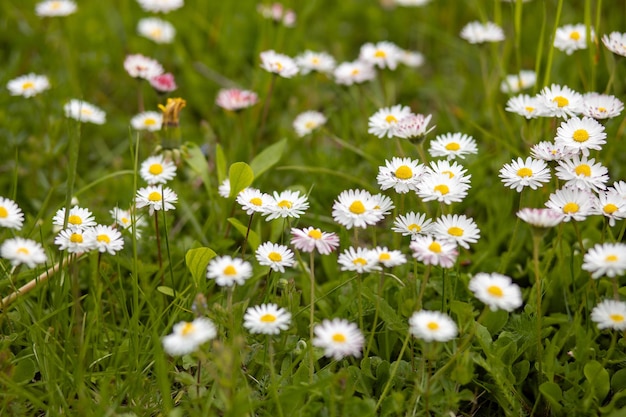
[87, 336]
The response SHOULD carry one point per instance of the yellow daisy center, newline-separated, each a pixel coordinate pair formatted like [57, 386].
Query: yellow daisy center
[125, 220]
[309, 125]
[580, 135]
[275, 257]
[339, 338]
[315, 60]
[617, 318]
[611, 258]
[442, 188]
[453, 146]
[524, 172]
[155, 169]
[187, 328]
[256, 201]
[149, 122]
[602, 109]
[610, 208]
[156, 33]
[384, 256]
[55, 5]
[450, 174]
[268, 318]
[359, 261]
[86, 112]
[315, 234]
[103, 238]
[414, 228]
[583, 169]
[574, 36]
[380, 54]
[495, 291]
[154, 196]
[570, 208]
[529, 109]
[391, 119]
[455, 231]
[284, 204]
[560, 101]
[28, 85]
[357, 207]
[76, 238]
[74, 219]
[4, 213]
[230, 270]
[404, 172]
[278, 66]
[434, 247]
[433, 325]
[23, 250]
[355, 72]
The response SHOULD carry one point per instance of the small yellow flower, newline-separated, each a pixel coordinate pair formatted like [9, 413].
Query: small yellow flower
[171, 110]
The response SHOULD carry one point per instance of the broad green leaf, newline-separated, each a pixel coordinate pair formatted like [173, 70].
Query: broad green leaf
[165, 290]
[253, 239]
[24, 371]
[268, 158]
[198, 163]
[197, 261]
[494, 321]
[618, 381]
[220, 163]
[598, 378]
[552, 393]
[241, 176]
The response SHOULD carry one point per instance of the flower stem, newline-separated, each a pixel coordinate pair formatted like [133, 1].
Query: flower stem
[536, 243]
[311, 315]
[392, 374]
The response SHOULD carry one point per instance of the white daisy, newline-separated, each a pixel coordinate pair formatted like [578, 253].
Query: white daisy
[28, 85]
[452, 145]
[610, 314]
[355, 208]
[157, 30]
[227, 271]
[514, 83]
[572, 203]
[157, 170]
[315, 61]
[186, 337]
[611, 205]
[224, 188]
[442, 188]
[581, 135]
[307, 122]
[266, 319]
[525, 173]
[50, 8]
[601, 106]
[357, 72]
[78, 218]
[155, 197]
[235, 99]
[401, 174]
[570, 38]
[605, 260]
[73, 241]
[620, 188]
[124, 219]
[412, 224]
[560, 101]
[104, 239]
[413, 126]
[139, 66]
[384, 121]
[286, 204]
[432, 250]
[582, 173]
[275, 256]
[311, 238]
[412, 59]
[339, 338]
[432, 326]
[412, 3]
[496, 290]
[382, 54]
[525, 105]
[11, 216]
[160, 6]
[477, 32]
[450, 168]
[360, 260]
[615, 42]
[549, 151]
[279, 64]
[149, 120]
[457, 228]
[84, 112]
[382, 205]
[253, 200]
[389, 258]
[541, 217]
[23, 251]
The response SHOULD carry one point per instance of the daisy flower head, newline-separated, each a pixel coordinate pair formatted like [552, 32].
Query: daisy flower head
[160, 6]
[611, 205]
[157, 169]
[253, 200]
[573, 203]
[286, 204]
[601, 106]
[339, 338]
[384, 121]
[401, 174]
[412, 224]
[78, 218]
[224, 188]
[477, 32]
[357, 72]
[496, 290]
[550, 151]
[514, 83]
[605, 260]
[155, 29]
[28, 85]
[360, 260]
[442, 188]
[570, 38]
[139, 66]
[452, 145]
[389, 258]
[235, 99]
[541, 217]
[615, 42]
[227, 271]
[610, 314]
[104, 239]
[525, 105]
[278, 14]
[582, 173]
[275, 256]
[73, 241]
[315, 61]
[20, 251]
[155, 197]
[266, 319]
[186, 337]
[84, 112]
[581, 135]
[525, 173]
[457, 228]
[311, 238]
[49, 8]
[148, 120]
[279, 64]
[432, 326]
[163, 83]
[620, 188]
[450, 168]
[307, 122]
[382, 54]
[382, 205]
[433, 250]
[11, 216]
[124, 219]
[413, 126]
[412, 59]
[356, 208]
[560, 101]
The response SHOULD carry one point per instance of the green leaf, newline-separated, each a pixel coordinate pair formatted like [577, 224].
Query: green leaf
[618, 381]
[198, 163]
[494, 321]
[253, 239]
[268, 157]
[165, 290]
[241, 176]
[552, 393]
[24, 371]
[220, 163]
[197, 261]
[598, 378]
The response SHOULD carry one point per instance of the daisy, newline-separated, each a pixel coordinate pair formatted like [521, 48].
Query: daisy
[186, 337]
[278, 13]
[514, 83]
[572, 203]
[23, 251]
[570, 38]
[224, 188]
[412, 3]
[540, 217]
[611, 205]
[412, 224]
[339, 338]
[601, 106]
[451, 169]
[605, 259]
[227, 271]
[412, 59]
[235, 99]
[315, 61]
[310, 239]
[78, 218]
[583, 173]
[155, 197]
[382, 54]
[163, 6]
[124, 219]
[84, 112]
[442, 188]
[28, 85]
[496, 290]
[525, 173]
[432, 250]
[139, 66]
[615, 42]
[275, 256]
[452, 145]
[382, 205]
[476, 32]
[253, 200]
[620, 188]
[50, 8]
[432, 326]
[561, 101]
[163, 83]
[104, 239]
[11, 216]
[157, 170]
[581, 135]
[389, 258]
[307, 122]
[550, 151]
[384, 121]
[266, 319]
[457, 228]
[286, 204]
[610, 314]
[149, 120]
[357, 72]
[359, 260]
[157, 30]
[413, 126]
[73, 241]
[401, 174]
[355, 208]
[280, 64]
[525, 105]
